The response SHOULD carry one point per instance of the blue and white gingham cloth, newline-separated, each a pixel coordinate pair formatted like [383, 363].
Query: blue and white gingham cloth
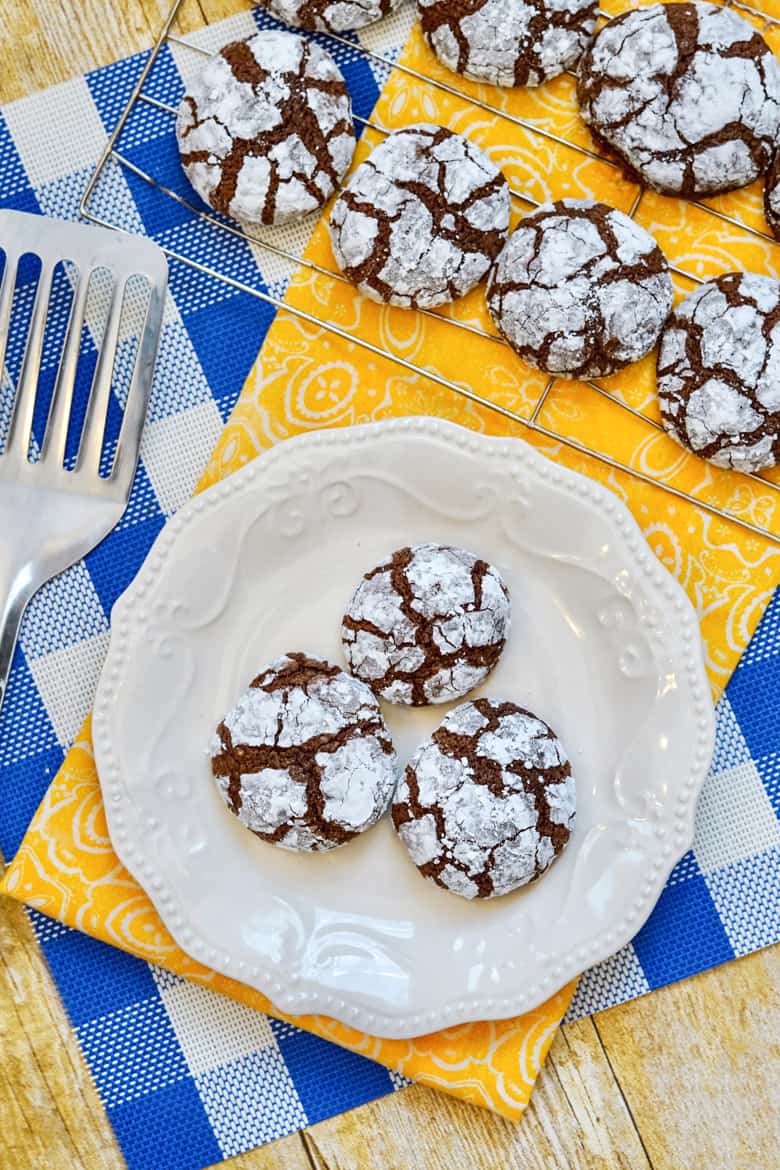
[188, 1077]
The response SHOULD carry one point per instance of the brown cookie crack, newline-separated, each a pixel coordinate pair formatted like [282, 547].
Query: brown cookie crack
[667, 100]
[529, 66]
[772, 195]
[435, 659]
[296, 116]
[299, 760]
[603, 352]
[487, 772]
[448, 219]
[677, 381]
[312, 15]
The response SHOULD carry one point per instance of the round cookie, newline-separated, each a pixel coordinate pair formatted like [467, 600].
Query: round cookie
[580, 289]
[488, 802]
[719, 372]
[265, 130]
[772, 195]
[422, 218]
[427, 625]
[304, 759]
[686, 95]
[335, 16]
[508, 42]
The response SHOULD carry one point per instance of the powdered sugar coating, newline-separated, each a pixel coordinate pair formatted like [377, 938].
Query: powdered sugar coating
[508, 42]
[426, 626]
[580, 289]
[772, 195]
[488, 802]
[265, 130]
[336, 16]
[304, 758]
[719, 372]
[421, 219]
[688, 96]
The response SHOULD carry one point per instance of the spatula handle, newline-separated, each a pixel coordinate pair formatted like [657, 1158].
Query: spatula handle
[16, 589]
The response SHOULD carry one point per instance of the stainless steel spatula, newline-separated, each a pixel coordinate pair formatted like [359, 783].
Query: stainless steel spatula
[52, 515]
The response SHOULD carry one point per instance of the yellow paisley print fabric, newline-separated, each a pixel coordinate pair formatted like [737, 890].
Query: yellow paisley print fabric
[306, 378]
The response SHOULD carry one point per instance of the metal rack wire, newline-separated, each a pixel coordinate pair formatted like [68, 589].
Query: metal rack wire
[531, 422]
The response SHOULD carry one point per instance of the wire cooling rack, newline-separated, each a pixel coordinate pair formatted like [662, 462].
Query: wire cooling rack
[531, 422]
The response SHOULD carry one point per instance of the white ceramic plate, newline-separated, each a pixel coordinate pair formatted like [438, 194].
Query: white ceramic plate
[604, 646]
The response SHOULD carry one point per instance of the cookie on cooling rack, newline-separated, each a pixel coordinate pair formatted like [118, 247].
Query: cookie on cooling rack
[427, 625]
[686, 95]
[580, 290]
[772, 195]
[304, 758]
[422, 218]
[508, 42]
[336, 16]
[265, 130]
[488, 802]
[719, 372]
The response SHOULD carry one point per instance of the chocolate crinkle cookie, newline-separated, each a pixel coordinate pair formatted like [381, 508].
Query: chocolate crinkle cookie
[422, 218]
[427, 625]
[686, 95]
[488, 802]
[508, 42]
[719, 372]
[304, 759]
[580, 289]
[265, 130]
[772, 195]
[335, 16]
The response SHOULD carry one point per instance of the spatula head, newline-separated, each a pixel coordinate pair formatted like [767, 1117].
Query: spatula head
[129, 268]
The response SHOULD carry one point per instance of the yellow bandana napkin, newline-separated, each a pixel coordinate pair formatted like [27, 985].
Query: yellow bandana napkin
[305, 378]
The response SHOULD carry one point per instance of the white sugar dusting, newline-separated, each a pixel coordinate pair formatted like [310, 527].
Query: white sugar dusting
[427, 262]
[445, 621]
[336, 16]
[506, 42]
[484, 832]
[719, 372]
[274, 180]
[356, 778]
[558, 296]
[663, 130]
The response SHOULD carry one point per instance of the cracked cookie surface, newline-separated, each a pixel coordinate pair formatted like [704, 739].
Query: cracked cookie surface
[508, 42]
[304, 758]
[772, 195]
[719, 372]
[580, 289]
[265, 130]
[422, 218]
[335, 16]
[488, 802]
[427, 625]
[686, 95]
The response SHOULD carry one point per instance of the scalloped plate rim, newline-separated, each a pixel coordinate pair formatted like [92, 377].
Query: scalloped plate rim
[396, 1024]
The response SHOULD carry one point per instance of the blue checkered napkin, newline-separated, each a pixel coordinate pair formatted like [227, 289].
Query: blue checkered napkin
[188, 1077]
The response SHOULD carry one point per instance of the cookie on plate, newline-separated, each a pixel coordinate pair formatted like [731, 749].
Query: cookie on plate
[686, 95]
[427, 625]
[508, 42]
[719, 372]
[422, 218]
[580, 289]
[304, 758]
[265, 129]
[488, 802]
[772, 195]
[336, 16]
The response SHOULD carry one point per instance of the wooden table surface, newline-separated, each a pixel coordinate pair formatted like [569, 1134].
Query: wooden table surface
[683, 1079]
